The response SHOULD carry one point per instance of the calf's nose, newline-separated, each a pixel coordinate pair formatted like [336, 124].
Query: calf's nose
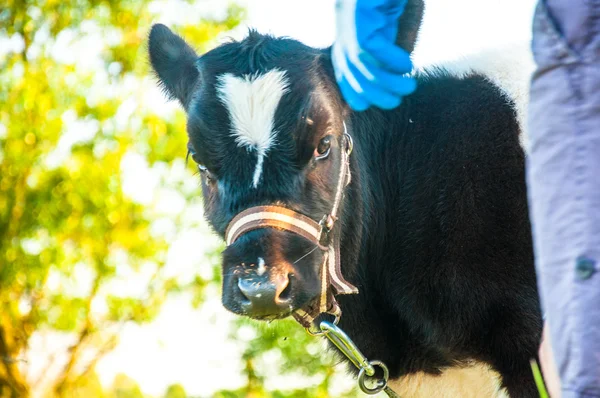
[265, 296]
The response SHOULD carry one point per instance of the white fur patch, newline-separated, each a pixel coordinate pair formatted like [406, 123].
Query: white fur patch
[475, 381]
[509, 67]
[251, 101]
[261, 267]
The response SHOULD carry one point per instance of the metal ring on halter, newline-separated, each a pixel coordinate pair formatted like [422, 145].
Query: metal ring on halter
[324, 332]
[381, 383]
[349, 142]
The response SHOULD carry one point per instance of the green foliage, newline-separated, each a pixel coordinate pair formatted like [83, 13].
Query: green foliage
[125, 387]
[67, 229]
[296, 352]
[175, 391]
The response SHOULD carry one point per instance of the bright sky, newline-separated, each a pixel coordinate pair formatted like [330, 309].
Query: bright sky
[451, 27]
[190, 347]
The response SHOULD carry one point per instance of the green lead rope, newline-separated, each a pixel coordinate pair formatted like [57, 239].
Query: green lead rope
[539, 380]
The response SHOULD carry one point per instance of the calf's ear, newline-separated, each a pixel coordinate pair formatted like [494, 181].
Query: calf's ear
[174, 62]
[409, 24]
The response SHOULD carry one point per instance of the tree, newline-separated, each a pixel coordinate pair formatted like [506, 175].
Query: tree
[67, 228]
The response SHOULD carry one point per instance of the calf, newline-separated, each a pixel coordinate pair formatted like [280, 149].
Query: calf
[433, 226]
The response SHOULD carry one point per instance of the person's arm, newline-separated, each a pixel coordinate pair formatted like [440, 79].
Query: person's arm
[551, 378]
[371, 70]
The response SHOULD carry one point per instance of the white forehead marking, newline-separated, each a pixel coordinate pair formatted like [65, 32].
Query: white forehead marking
[252, 101]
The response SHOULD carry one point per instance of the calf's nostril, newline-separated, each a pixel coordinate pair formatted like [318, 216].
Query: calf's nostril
[265, 296]
[246, 300]
[285, 292]
[255, 290]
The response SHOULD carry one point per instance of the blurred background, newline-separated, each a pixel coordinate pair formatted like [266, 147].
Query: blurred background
[109, 276]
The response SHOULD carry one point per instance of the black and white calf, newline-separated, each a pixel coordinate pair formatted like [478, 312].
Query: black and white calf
[435, 228]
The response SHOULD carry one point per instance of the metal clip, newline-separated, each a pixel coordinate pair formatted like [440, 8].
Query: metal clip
[366, 368]
[341, 340]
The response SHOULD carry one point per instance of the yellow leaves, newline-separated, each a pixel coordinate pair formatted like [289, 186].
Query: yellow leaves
[124, 308]
[132, 238]
[65, 313]
[156, 125]
[114, 217]
[72, 222]
[11, 255]
[29, 27]
[5, 184]
[205, 32]
[30, 139]
[14, 148]
[3, 202]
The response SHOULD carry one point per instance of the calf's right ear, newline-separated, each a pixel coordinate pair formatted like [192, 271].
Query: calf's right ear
[174, 62]
[409, 24]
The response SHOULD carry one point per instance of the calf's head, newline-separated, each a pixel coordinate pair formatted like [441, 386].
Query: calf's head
[265, 127]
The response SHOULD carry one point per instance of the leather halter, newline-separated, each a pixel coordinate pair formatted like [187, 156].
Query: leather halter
[322, 234]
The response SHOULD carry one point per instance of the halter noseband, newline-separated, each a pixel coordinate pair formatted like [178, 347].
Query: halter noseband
[321, 233]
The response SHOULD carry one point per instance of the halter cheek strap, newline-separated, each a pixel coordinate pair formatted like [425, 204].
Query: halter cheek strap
[322, 234]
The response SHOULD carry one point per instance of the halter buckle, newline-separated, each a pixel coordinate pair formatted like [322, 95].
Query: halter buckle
[329, 221]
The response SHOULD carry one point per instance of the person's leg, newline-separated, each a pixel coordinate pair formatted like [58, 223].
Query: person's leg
[563, 173]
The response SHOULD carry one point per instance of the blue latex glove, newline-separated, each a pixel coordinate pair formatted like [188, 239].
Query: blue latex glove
[369, 68]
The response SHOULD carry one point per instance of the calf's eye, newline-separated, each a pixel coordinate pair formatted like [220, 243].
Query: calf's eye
[206, 173]
[201, 168]
[322, 150]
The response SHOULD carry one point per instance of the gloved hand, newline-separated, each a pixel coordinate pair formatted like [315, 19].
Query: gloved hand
[369, 68]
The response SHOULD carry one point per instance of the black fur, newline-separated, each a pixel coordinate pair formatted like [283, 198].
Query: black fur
[446, 267]
[436, 234]
[409, 24]
[173, 60]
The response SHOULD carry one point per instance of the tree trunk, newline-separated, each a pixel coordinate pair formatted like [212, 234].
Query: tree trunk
[12, 381]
